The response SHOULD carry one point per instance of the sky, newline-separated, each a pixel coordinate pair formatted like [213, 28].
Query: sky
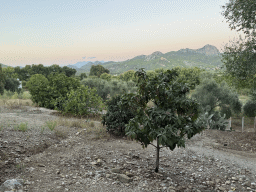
[69, 31]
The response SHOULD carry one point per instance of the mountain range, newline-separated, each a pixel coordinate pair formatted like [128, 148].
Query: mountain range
[207, 57]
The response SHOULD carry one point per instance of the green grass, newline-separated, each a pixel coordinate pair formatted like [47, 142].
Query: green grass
[21, 127]
[15, 95]
[51, 124]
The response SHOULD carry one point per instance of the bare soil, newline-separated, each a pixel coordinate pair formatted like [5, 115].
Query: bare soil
[74, 159]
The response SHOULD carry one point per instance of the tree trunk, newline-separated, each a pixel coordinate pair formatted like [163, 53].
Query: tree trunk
[157, 155]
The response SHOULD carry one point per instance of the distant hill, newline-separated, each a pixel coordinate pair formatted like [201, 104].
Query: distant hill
[82, 63]
[3, 66]
[207, 57]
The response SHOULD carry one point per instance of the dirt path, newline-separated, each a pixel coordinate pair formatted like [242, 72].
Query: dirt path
[76, 159]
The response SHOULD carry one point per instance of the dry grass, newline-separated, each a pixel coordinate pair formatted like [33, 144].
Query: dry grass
[16, 103]
[61, 132]
[92, 127]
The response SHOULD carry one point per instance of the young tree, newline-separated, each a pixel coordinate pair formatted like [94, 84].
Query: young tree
[173, 118]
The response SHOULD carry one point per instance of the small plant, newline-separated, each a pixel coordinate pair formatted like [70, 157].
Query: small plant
[51, 124]
[92, 124]
[61, 133]
[76, 124]
[21, 127]
[1, 127]
[42, 129]
[20, 167]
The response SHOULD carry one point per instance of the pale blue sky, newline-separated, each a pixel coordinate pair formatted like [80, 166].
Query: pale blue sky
[65, 32]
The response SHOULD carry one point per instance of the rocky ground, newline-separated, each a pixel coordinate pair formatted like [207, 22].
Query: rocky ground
[77, 159]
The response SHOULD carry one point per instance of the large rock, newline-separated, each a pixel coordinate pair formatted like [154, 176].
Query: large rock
[12, 185]
[124, 178]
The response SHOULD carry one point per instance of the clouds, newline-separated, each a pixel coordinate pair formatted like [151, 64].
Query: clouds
[89, 57]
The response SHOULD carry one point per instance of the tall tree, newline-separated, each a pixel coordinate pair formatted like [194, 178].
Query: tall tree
[239, 56]
[97, 70]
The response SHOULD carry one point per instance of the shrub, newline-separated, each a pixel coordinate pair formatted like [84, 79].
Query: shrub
[250, 108]
[45, 91]
[116, 118]
[82, 101]
[109, 88]
[218, 122]
[209, 93]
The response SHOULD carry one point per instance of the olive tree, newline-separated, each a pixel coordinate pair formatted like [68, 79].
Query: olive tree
[239, 56]
[174, 117]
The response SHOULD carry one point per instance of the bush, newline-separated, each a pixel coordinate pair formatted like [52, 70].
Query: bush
[106, 89]
[250, 108]
[209, 93]
[45, 91]
[82, 101]
[116, 118]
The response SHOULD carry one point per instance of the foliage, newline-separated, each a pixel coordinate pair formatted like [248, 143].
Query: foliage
[12, 84]
[191, 76]
[106, 89]
[240, 15]
[26, 72]
[173, 118]
[239, 60]
[250, 108]
[10, 73]
[2, 81]
[212, 95]
[117, 116]
[105, 76]
[128, 76]
[82, 101]
[218, 122]
[51, 125]
[38, 88]
[82, 76]
[239, 57]
[21, 127]
[45, 91]
[97, 70]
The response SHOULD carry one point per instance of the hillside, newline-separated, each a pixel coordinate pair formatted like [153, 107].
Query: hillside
[207, 57]
[3, 66]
